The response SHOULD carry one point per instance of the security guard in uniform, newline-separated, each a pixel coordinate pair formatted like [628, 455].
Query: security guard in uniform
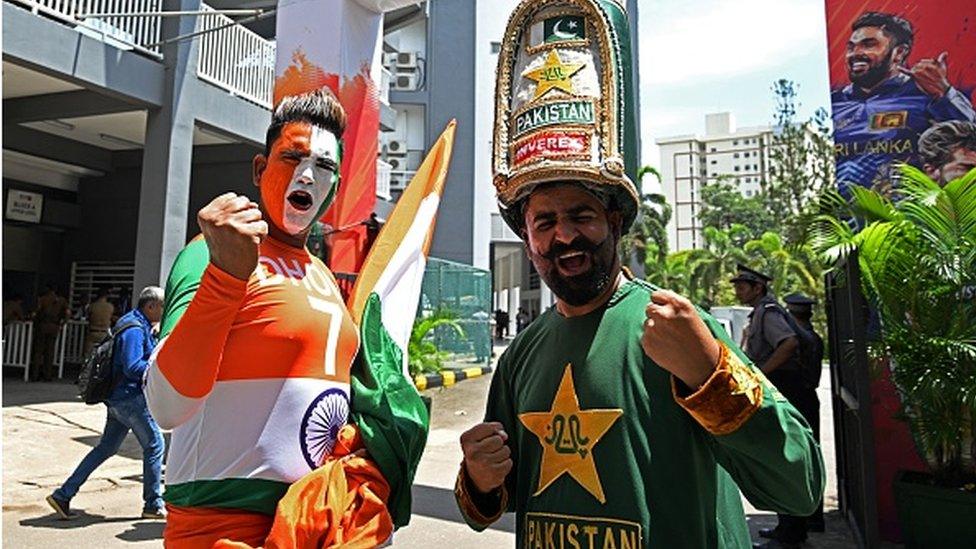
[772, 342]
[800, 308]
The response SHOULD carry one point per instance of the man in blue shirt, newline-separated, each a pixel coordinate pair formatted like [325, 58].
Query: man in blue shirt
[880, 115]
[127, 410]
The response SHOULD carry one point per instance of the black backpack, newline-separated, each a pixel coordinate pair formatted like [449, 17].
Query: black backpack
[96, 379]
[806, 353]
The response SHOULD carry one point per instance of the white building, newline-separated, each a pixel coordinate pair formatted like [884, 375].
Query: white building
[690, 161]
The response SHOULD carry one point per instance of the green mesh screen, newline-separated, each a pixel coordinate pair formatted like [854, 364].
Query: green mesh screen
[464, 291]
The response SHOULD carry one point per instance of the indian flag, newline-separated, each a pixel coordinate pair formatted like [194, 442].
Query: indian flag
[394, 268]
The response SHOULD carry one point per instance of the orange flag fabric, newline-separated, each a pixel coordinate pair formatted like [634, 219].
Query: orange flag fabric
[340, 504]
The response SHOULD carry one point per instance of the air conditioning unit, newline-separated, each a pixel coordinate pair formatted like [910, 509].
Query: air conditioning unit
[396, 147]
[405, 81]
[390, 60]
[406, 60]
[398, 181]
[397, 164]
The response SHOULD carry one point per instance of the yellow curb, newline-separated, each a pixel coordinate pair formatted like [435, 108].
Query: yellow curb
[448, 378]
[421, 382]
[472, 372]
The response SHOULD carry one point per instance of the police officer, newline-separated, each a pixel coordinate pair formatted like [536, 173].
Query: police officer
[800, 308]
[772, 342]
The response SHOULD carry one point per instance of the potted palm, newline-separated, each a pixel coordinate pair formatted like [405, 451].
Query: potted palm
[917, 258]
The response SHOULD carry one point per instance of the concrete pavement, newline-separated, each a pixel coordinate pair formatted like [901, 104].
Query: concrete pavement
[46, 432]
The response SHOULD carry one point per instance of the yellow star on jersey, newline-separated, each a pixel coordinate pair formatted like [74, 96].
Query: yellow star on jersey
[553, 75]
[568, 435]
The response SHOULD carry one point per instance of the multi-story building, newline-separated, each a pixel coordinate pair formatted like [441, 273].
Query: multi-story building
[120, 128]
[688, 162]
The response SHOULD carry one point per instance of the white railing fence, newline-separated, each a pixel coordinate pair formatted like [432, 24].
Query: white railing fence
[383, 171]
[18, 338]
[18, 345]
[141, 33]
[235, 58]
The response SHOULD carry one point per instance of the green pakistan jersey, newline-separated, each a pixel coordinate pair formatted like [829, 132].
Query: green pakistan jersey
[608, 453]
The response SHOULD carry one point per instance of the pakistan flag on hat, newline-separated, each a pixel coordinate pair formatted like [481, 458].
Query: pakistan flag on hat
[565, 101]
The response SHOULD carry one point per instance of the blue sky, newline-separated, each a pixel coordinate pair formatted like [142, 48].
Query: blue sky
[705, 56]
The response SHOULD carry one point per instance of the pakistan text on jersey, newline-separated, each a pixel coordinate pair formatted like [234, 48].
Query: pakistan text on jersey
[551, 531]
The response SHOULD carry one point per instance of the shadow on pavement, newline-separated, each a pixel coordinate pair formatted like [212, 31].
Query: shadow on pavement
[144, 531]
[80, 520]
[130, 448]
[438, 503]
[837, 534]
[17, 392]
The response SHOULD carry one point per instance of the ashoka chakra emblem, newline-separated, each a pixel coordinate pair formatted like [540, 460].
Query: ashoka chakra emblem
[320, 426]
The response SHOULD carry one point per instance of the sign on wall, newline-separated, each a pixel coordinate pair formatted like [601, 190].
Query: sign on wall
[903, 76]
[24, 206]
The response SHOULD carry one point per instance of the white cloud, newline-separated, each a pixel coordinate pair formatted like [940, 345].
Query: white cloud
[714, 39]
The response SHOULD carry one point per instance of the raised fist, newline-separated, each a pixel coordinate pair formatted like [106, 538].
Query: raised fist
[676, 338]
[487, 458]
[233, 228]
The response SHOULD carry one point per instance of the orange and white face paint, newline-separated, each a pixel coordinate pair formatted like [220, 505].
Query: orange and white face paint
[301, 177]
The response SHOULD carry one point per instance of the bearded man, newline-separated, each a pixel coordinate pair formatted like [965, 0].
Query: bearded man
[880, 115]
[622, 416]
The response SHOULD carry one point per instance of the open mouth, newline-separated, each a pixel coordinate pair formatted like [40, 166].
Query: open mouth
[858, 66]
[573, 262]
[300, 200]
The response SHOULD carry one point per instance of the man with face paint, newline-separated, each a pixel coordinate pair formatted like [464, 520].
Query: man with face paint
[623, 416]
[880, 115]
[252, 372]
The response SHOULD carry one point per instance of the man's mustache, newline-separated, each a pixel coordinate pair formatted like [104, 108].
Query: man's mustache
[578, 244]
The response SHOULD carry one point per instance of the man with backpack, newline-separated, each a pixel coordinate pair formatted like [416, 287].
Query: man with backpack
[132, 343]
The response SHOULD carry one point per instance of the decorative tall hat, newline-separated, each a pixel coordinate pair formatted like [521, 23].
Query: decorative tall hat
[564, 104]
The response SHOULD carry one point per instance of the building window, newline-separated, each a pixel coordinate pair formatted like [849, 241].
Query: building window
[736, 142]
[714, 162]
[736, 168]
[496, 47]
[713, 149]
[736, 155]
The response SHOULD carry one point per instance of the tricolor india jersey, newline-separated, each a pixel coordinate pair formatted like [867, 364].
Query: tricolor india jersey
[605, 455]
[252, 376]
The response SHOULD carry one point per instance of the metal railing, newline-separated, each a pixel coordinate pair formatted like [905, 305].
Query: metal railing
[18, 345]
[399, 179]
[235, 58]
[140, 33]
[383, 171]
[386, 80]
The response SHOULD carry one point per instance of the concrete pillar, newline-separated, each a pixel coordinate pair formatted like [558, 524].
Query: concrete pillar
[168, 155]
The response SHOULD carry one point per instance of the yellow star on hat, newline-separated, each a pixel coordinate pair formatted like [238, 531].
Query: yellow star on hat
[553, 74]
[568, 435]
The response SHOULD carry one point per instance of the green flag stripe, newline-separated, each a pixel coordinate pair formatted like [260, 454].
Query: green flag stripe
[248, 494]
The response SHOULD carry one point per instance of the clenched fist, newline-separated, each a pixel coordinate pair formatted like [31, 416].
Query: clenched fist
[487, 458]
[677, 339]
[233, 229]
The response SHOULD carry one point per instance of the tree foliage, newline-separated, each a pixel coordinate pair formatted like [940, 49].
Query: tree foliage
[424, 354]
[917, 259]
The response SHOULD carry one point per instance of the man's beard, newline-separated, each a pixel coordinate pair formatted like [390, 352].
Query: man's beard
[875, 74]
[585, 287]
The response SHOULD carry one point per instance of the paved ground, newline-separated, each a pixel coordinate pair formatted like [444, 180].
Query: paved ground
[46, 432]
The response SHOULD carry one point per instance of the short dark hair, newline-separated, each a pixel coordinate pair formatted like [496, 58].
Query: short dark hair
[318, 108]
[898, 29]
[935, 146]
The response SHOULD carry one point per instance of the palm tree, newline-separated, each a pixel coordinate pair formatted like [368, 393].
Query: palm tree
[791, 268]
[424, 354]
[653, 215]
[917, 259]
[712, 265]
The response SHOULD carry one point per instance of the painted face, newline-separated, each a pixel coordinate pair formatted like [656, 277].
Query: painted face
[301, 177]
[960, 162]
[869, 56]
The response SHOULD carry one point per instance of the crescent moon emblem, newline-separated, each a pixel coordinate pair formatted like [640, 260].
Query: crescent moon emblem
[561, 34]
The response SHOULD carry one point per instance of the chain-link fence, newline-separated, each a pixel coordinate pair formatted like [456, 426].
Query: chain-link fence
[464, 292]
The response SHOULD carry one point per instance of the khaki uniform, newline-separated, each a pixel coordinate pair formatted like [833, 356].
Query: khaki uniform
[52, 310]
[99, 321]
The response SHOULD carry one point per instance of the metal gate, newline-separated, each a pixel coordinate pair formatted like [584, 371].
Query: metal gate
[847, 315]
